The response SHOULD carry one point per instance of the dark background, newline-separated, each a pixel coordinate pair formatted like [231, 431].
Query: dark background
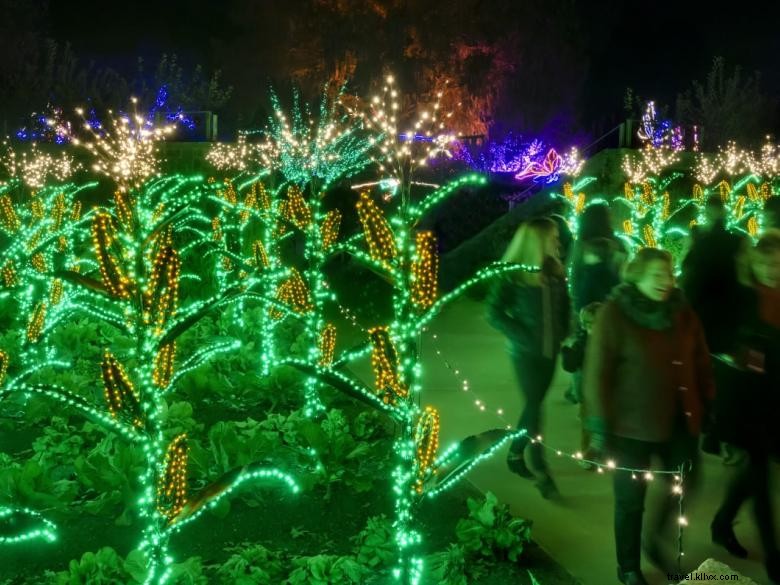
[560, 67]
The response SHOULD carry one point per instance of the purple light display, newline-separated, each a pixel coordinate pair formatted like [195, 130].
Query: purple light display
[544, 171]
[510, 155]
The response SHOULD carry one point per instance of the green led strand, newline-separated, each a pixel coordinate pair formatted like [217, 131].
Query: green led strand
[442, 193]
[77, 402]
[471, 464]
[45, 529]
[198, 358]
[356, 386]
[243, 477]
[495, 269]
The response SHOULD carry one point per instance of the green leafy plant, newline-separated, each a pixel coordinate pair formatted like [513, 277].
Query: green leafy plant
[110, 472]
[251, 565]
[350, 454]
[490, 531]
[327, 569]
[105, 567]
[449, 567]
[375, 543]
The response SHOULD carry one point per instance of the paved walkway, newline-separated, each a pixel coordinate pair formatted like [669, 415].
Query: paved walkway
[577, 532]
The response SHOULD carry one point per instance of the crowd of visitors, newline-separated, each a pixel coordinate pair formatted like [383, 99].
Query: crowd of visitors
[664, 364]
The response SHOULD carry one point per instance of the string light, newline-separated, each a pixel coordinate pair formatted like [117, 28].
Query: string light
[325, 146]
[752, 227]
[384, 362]
[44, 530]
[327, 345]
[426, 439]
[36, 322]
[162, 292]
[650, 162]
[425, 270]
[125, 149]
[242, 156]
[3, 366]
[121, 396]
[260, 255]
[140, 251]
[34, 168]
[297, 209]
[103, 240]
[9, 275]
[172, 485]
[10, 221]
[216, 229]
[725, 191]
[330, 228]
[75, 214]
[293, 293]
[163, 365]
[377, 232]
[39, 263]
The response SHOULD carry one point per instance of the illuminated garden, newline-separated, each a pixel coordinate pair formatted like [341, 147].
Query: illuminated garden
[262, 356]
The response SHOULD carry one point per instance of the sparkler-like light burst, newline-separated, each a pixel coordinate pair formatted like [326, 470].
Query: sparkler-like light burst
[327, 146]
[34, 167]
[706, 169]
[401, 149]
[651, 162]
[125, 150]
[733, 161]
[243, 155]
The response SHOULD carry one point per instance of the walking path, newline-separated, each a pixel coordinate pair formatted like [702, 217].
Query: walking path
[577, 531]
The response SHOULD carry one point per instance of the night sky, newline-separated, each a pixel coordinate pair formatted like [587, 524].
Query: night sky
[657, 48]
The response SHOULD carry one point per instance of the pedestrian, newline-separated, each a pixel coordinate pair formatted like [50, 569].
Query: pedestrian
[594, 269]
[747, 403]
[558, 211]
[771, 219]
[532, 310]
[709, 274]
[573, 359]
[647, 381]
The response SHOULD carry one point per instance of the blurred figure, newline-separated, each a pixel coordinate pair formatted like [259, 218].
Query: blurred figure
[532, 310]
[558, 211]
[573, 359]
[771, 219]
[594, 269]
[646, 381]
[747, 402]
[709, 274]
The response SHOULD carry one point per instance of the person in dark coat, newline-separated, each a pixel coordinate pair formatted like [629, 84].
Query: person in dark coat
[573, 359]
[709, 274]
[594, 269]
[532, 310]
[558, 211]
[747, 402]
[647, 381]
[771, 219]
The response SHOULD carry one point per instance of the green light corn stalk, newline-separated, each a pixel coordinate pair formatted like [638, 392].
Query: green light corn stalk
[136, 291]
[36, 240]
[397, 390]
[312, 152]
[410, 316]
[249, 240]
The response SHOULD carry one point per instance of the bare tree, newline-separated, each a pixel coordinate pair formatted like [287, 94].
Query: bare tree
[728, 106]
